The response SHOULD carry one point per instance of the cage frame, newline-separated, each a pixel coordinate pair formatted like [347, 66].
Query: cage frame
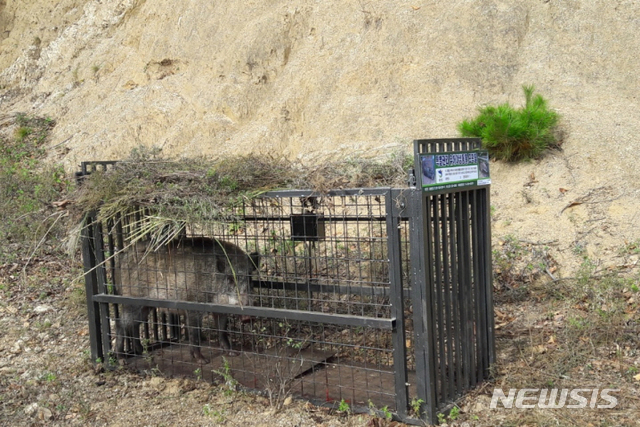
[432, 233]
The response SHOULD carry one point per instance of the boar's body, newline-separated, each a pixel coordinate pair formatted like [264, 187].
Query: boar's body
[190, 269]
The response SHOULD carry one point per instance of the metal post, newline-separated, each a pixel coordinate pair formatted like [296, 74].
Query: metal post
[101, 276]
[487, 280]
[394, 204]
[421, 296]
[91, 288]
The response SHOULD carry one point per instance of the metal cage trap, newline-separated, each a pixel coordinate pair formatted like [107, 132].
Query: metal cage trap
[381, 297]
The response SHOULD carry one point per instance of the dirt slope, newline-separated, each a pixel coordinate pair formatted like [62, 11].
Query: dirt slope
[310, 79]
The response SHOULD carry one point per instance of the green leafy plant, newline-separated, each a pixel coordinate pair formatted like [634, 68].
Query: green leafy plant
[454, 413]
[387, 413]
[515, 134]
[50, 377]
[226, 374]
[416, 404]
[113, 362]
[586, 271]
[344, 407]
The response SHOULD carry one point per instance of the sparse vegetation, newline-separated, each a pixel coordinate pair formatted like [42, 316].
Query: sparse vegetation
[231, 384]
[278, 372]
[198, 374]
[50, 377]
[218, 415]
[28, 186]
[453, 415]
[22, 133]
[386, 413]
[515, 134]
[416, 405]
[516, 263]
[557, 334]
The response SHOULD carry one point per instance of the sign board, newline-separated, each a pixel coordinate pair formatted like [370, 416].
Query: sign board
[458, 169]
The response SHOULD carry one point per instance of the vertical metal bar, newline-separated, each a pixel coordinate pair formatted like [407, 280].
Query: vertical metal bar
[156, 330]
[466, 291]
[421, 296]
[437, 287]
[100, 269]
[119, 246]
[147, 336]
[488, 285]
[478, 331]
[431, 286]
[393, 210]
[483, 343]
[481, 284]
[91, 287]
[459, 271]
[111, 246]
[174, 325]
[448, 254]
[163, 320]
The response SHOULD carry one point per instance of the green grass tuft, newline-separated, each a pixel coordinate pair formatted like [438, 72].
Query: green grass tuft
[515, 134]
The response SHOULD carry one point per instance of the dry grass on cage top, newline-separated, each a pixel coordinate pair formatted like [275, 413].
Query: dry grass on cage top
[202, 190]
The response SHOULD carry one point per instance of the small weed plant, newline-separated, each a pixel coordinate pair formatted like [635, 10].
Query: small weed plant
[218, 415]
[198, 374]
[454, 413]
[344, 407]
[387, 413]
[416, 404]
[226, 374]
[515, 134]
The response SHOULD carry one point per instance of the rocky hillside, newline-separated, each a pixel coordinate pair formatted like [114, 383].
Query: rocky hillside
[309, 79]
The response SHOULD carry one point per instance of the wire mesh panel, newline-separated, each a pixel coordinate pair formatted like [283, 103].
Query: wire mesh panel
[321, 254]
[296, 293]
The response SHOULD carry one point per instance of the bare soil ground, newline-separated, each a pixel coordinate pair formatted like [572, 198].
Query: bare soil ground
[566, 334]
[46, 376]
